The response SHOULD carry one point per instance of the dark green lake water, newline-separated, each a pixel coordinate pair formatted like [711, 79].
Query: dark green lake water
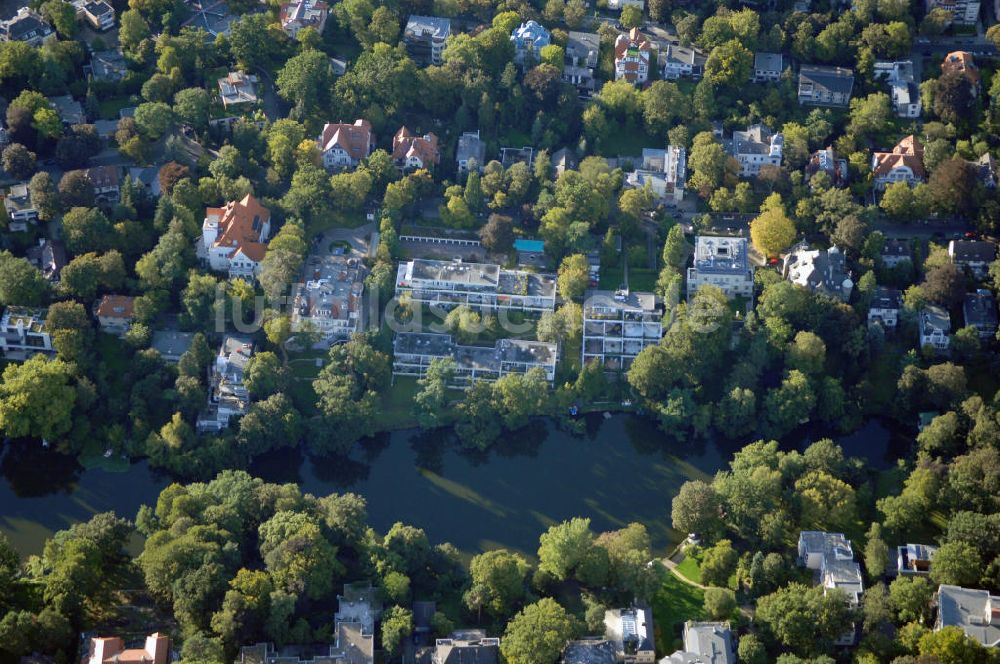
[621, 470]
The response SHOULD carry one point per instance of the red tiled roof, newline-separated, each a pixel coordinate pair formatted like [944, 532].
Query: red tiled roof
[240, 223]
[115, 306]
[908, 152]
[424, 148]
[104, 176]
[355, 138]
[962, 62]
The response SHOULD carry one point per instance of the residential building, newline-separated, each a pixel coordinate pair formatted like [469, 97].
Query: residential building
[630, 631]
[590, 650]
[582, 50]
[49, 256]
[819, 270]
[476, 285]
[410, 151]
[722, 262]
[986, 170]
[617, 325]
[510, 156]
[831, 557]
[705, 643]
[114, 313]
[962, 12]
[343, 145]
[470, 646]
[904, 164]
[171, 344]
[330, 297]
[470, 149]
[228, 396]
[768, 67]
[107, 183]
[234, 237]
[299, 14]
[905, 93]
[237, 89]
[20, 210]
[633, 57]
[682, 62]
[413, 353]
[564, 159]
[757, 147]
[70, 110]
[977, 612]
[972, 255]
[829, 162]
[529, 39]
[963, 63]
[98, 13]
[884, 308]
[935, 326]
[425, 38]
[111, 650]
[825, 86]
[980, 311]
[618, 5]
[895, 252]
[27, 26]
[664, 171]
[914, 559]
[23, 333]
[108, 66]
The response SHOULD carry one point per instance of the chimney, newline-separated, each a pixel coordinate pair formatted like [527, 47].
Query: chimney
[158, 647]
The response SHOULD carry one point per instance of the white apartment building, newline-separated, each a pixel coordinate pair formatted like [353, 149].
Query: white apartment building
[831, 556]
[934, 325]
[413, 353]
[757, 147]
[722, 262]
[23, 333]
[618, 325]
[477, 285]
[963, 12]
[664, 171]
[228, 396]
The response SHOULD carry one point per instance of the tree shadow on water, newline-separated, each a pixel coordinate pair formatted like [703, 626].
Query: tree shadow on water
[342, 472]
[33, 471]
[429, 448]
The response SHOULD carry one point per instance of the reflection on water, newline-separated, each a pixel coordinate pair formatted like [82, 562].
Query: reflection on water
[618, 470]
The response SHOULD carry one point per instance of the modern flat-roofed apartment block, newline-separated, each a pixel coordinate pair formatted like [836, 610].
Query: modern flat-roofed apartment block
[722, 262]
[618, 325]
[476, 285]
[413, 353]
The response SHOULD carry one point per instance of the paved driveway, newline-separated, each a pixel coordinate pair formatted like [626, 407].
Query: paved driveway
[358, 237]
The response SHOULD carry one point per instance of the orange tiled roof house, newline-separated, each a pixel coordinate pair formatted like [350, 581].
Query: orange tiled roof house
[904, 164]
[412, 151]
[633, 57]
[343, 145]
[112, 650]
[963, 63]
[234, 237]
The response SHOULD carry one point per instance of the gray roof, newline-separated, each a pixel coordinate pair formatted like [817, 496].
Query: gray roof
[980, 309]
[899, 248]
[432, 26]
[972, 251]
[629, 301]
[967, 608]
[593, 650]
[934, 317]
[70, 110]
[818, 541]
[768, 61]
[470, 146]
[171, 344]
[721, 255]
[711, 641]
[886, 298]
[466, 647]
[584, 46]
[833, 79]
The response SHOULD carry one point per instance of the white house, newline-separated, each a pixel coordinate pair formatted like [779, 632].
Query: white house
[411, 151]
[935, 324]
[722, 262]
[633, 57]
[295, 16]
[234, 237]
[343, 146]
[757, 147]
[229, 396]
[884, 308]
[23, 333]
[767, 67]
[904, 164]
[114, 313]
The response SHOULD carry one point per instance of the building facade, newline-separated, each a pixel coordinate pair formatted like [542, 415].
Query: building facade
[722, 262]
[481, 286]
[234, 237]
[757, 147]
[618, 325]
[825, 86]
[529, 39]
[425, 38]
[343, 145]
[633, 57]
[413, 353]
[23, 333]
[904, 164]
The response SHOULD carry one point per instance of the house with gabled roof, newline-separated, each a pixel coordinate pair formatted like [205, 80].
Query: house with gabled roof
[529, 39]
[237, 89]
[49, 256]
[934, 326]
[27, 26]
[963, 63]
[229, 396]
[115, 313]
[825, 86]
[705, 643]
[470, 646]
[299, 14]
[980, 312]
[972, 255]
[819, 270]
[343, 145]
[828, 161]
[633, 57]
[905, 163]
[471, 148]
[411, 151]
[975, 611]
[767, 67]
[234, 237]
[885, 307]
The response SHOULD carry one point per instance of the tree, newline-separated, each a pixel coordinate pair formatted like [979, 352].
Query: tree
[827, 502]
[191, 105]
[498, 234]
[807, 353]
[44, 195]
[772, 232]
[718, 563]
[707, 161]
[950, 645]
[37, 399]
[954, 101]
[297, 555]
[805, 619]
[397, 625]
[695, 509]
[498, 582]
[564, 547]
[306, 81]
[719, 603]
[19, 161]
[152, 119]
[952, 187]
[910, 598]
[574, 276]
[21, 283]
[86, 274]
[944, 285]
[538, 634]
[76, 189]
[876, 552]
[956, 564]
[751, 650]
[790, 404]
[869, 115]
[431, 402]
[729, 64]
[631, 17]
[663, 104]
[86, 230]
[898, 200]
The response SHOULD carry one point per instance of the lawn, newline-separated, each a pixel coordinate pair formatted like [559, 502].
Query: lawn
[627, 142]
[642, 279]
[690, 569]
[612, 278]
[397, 404]
[673, 604]
[108, 108]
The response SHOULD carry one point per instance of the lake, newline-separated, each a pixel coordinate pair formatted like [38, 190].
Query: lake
[621, 469]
